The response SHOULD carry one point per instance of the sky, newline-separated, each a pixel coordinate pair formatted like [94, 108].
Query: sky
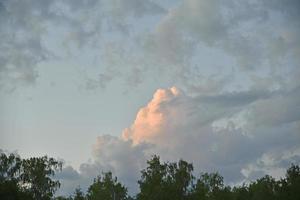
[104, 84]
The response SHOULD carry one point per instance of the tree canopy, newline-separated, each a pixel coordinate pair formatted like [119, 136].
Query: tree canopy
[32, 178]
[106, 187]
[28, 178]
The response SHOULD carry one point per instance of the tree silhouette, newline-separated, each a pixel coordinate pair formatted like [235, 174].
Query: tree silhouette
[32, 179]
[106, 187]
[27, 178]
[165, 180]
[78, 194]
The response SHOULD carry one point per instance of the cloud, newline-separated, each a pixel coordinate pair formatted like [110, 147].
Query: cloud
[240, 134]
[33, 32]
[152, 119]
[258, 38]
[20, 46]
[239, 28]
[228, 118]
[257, 35]
[110, 153]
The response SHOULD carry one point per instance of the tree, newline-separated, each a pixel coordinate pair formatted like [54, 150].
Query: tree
[63, 198]
[179, 179]
[263, 188]
[289, 189]
[27, 178]
[241, 193]
[78, 194]
[106, 187]
[210, 186]
[10, 169]
[37, 175]
[165, 180]
[152, 181]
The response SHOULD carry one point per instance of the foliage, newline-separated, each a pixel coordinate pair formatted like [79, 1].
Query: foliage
[36, 176]
[29, 179]
[78, 194]
[9, 167]
[175, 181]
[106, 187]
[165, 181]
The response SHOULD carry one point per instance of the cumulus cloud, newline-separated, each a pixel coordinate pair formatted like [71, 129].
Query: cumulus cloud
[110, 153]
[210, 123]
[228, 132]
[152, 119]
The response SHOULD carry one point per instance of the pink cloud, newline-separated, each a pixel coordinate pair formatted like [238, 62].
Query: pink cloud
[152, 119]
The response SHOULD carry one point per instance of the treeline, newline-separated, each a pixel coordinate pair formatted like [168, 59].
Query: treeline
[32, 178]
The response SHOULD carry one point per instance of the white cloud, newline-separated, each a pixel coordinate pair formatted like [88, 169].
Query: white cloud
[228, 132]
[215, 128]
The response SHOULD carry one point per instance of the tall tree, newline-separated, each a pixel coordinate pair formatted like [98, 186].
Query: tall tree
[37, 174]
[152, 183]
[106, 187]
[27, 178]
[10, 169]
[78, 194]
[165, 180]
[290, 186]
[179, 179]
[210, 186]
[263, 188]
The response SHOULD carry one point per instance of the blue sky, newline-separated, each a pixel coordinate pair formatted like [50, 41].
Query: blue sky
[103, 85]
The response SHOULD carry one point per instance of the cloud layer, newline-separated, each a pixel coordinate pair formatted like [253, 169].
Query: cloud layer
[235, 66]
[131, 39]
[242, 135]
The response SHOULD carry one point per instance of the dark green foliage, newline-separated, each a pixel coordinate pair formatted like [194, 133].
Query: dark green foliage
[106, 187]
[9, 167]
[165, 181]
[241, 193]
[175, 181]
[27, 178]
[31, 179]
[289, 188]
[210, 186]
[9, 190]
[63, 198]
[264, 188]
[78, 194]
[152, 183]
[37, 176]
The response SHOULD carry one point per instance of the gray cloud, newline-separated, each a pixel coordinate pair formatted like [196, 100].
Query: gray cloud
[258, 35]
[110, 153]
[242, 135]
[212, 124]
[32, 32]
